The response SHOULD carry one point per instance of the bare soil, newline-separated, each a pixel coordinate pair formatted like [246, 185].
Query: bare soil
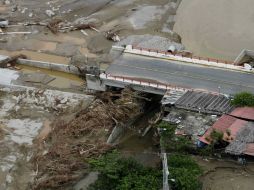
[224, 175]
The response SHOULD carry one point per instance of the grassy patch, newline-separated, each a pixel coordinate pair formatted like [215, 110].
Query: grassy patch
[184, 172]
[117, 173]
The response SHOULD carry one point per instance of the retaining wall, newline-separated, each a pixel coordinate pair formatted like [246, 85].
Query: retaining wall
[51, 66]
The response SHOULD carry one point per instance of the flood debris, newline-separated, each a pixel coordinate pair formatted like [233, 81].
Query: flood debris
[57, 25]
[7, 33]
[83, 137]
[3, 23]
[53, 25]
[110, 35]
[11, 61]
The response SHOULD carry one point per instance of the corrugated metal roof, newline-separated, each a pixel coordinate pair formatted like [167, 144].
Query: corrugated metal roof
[244, 112]
[249, 149]
[224, 124]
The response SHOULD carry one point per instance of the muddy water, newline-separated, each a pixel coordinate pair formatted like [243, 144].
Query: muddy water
[140, 148]
[219, 29]
[63, 80]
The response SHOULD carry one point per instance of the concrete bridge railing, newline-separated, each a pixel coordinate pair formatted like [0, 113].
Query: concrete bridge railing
[192, 59]
[128, 80]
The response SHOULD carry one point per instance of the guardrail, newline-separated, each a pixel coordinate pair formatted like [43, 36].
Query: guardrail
[142, 82]
[182, 58]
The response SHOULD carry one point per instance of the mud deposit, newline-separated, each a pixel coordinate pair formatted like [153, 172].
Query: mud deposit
[24, 119]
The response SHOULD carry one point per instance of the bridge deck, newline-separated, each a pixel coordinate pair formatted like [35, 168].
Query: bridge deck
[182, 74]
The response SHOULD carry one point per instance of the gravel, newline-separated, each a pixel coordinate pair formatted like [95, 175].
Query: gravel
[150, 41]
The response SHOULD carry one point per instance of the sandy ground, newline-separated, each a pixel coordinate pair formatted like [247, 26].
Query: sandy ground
[219, 29]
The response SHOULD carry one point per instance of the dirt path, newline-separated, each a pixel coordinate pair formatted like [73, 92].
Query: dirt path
[225, 175]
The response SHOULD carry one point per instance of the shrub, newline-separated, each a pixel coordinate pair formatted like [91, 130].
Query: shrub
[118, 173]
[243, 99]
[185, 172]
[171, 142]
[216, 137]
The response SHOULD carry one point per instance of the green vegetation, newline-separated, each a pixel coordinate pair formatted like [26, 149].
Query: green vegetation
[216, 137]
[171, 142]
[117, 173]
[185, 172]
[243, 99]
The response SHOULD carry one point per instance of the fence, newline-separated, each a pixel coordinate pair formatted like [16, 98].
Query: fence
[165, 171]
[142, 82]
[182, 58]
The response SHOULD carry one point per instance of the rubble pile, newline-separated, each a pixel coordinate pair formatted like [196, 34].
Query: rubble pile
[47, 100]
[84, 137]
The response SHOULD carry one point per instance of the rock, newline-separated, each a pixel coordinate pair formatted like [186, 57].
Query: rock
[3, 23]
[50, 13]
[64, 100]
[24, 10]
[14, 8]
[7, 2]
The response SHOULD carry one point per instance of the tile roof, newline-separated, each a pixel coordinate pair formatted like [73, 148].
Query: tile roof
[249, 150]
[244, 113]
[224, 124]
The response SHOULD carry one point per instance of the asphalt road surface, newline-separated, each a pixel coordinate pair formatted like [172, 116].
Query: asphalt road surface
[182, 74]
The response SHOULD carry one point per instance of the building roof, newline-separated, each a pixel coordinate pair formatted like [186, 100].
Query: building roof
[249, 150]
[226, 124]
[200, 101]
[244, 113]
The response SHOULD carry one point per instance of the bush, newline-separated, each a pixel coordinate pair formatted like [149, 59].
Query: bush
[216, 137]
[185, 172]
[118, 173]
[243, 99]
[171, 142]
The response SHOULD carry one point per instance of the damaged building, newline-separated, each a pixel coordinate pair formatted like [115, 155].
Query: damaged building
[237, 129]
